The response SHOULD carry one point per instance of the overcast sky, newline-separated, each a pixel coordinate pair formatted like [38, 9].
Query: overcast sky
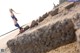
[29, 10]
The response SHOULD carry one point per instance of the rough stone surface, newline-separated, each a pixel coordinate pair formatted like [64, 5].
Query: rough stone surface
[78, 40]
[69, 6]
[40, 19]
[76, 20]
[33, 24]
[27, 27]
[44, 39]
[43, 17]
[54, 11]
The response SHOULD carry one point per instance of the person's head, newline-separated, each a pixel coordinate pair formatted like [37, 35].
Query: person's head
[10, 10]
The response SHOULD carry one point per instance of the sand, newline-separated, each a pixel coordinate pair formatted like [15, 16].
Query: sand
[5, 38]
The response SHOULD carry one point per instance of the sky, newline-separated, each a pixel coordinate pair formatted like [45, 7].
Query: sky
[28, 10]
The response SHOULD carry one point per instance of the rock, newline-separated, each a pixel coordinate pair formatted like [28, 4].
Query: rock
[54, 11]
[78, 40]
[41, 19]
[69, 6]
[45, 15]
[27, 27]
[76, 17]
[37, 21]
[44, 38]
[76, 20]
[33, 24]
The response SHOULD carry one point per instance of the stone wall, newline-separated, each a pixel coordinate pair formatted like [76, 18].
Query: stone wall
[44, 39]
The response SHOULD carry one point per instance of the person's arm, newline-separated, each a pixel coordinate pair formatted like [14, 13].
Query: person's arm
[11, 11]
[15, 12]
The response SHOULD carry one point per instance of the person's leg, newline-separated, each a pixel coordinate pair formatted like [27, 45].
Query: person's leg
[16, 24]
[20, 28]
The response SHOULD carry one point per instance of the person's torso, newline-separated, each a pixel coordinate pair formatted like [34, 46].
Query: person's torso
[13, 16]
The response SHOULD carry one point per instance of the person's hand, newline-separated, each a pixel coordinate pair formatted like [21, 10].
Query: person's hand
[17, 13]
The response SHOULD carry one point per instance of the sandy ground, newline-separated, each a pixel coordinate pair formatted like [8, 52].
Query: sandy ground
[11, 35]
[69, 48]
[5, 38]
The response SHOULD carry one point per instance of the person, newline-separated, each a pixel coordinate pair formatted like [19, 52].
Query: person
[15, 20]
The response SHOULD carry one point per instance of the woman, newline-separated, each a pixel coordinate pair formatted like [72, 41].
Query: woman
[15, 20]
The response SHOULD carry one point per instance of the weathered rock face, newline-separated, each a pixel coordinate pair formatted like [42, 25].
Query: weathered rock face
[34, 23]
[78, 40]
[54, 12]
[44, 39]
[27, 27]
[69, 6]
[76, 21]
[41, 18]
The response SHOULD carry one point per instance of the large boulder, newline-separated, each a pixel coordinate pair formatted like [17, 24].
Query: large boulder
[44, 38]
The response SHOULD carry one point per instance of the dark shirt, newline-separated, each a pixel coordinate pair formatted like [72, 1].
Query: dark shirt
[13, 17]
